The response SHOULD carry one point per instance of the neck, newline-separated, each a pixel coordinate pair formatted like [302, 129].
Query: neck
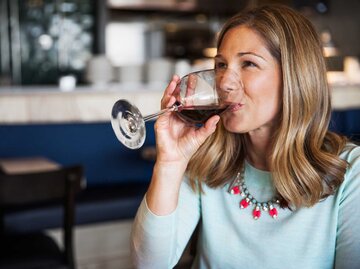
[258, 149]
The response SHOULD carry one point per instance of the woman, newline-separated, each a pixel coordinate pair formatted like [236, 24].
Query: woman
[300, 182]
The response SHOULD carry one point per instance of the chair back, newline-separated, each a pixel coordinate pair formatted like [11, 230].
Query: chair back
[24, 190]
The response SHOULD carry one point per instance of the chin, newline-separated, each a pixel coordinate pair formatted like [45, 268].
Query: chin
[234, 126]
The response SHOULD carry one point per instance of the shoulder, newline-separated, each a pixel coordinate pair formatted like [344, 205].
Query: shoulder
[351, 154]
[351, 184]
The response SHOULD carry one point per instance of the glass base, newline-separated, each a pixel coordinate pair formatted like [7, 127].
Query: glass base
[128, 124]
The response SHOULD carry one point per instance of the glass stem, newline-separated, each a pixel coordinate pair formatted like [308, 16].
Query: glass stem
[157, 114]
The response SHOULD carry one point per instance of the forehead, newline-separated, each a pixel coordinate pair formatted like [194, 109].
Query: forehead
[243, 38]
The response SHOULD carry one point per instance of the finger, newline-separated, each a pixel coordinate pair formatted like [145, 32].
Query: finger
[190, 89]
[172, 100]
[208, 128]
[171, 87]
[168, 93]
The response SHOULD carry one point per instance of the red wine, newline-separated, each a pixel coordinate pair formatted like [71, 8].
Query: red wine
[199, 114]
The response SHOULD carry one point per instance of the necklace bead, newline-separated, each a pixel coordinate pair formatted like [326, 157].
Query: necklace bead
[238, 187]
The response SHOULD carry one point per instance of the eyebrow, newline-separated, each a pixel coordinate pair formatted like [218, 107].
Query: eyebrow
[240, 54]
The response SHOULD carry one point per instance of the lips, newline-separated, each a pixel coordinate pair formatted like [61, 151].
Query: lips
[235, 107]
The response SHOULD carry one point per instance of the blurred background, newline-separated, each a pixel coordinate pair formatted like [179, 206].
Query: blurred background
[44, 40]
[63, 63]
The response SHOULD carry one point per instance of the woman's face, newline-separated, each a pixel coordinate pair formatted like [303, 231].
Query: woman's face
[251, 78]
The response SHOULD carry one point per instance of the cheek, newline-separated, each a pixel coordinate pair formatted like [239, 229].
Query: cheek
[265, 90]
[269, 102]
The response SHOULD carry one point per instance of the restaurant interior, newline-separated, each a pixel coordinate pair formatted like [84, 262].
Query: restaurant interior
[66, 182]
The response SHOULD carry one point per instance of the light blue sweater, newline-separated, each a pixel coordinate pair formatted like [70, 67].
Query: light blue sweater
[324, 236]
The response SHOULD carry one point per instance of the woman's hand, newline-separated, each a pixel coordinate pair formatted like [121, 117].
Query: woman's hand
[176, 140]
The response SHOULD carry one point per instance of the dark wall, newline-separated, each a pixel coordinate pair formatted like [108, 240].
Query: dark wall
[343, 21]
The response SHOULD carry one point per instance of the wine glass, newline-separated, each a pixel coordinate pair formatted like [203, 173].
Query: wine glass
[196, 101]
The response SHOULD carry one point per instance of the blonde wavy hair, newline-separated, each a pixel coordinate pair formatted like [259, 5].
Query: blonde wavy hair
[304, 163]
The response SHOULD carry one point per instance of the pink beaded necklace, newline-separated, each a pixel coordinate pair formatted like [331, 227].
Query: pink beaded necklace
[238, 187]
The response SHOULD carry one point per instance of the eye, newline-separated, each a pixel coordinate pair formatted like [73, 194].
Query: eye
[249, 64]
[220, 65]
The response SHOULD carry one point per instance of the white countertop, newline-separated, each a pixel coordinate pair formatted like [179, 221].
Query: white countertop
[86, 104]
[345, 97]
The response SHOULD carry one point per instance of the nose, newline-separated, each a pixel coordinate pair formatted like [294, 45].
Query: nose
[229, 81]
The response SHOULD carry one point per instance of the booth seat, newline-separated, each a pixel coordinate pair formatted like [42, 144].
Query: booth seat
[347, 122]
[116, 177]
